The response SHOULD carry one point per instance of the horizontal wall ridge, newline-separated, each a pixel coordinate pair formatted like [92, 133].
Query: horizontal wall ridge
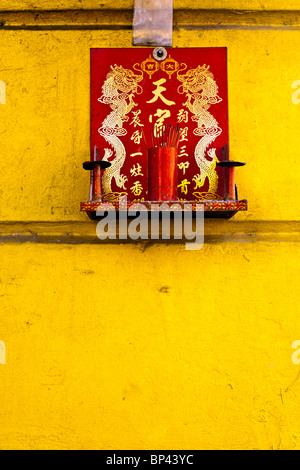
[123, 18]
[216, 231]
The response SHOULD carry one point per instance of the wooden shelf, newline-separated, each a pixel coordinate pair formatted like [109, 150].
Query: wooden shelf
[218, 208]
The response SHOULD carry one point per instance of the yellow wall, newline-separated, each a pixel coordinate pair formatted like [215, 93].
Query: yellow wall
[144, 345]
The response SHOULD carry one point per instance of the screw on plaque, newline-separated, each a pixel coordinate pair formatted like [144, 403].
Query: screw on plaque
[159, 53]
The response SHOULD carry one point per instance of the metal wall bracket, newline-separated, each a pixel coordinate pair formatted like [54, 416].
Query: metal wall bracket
[153, 23]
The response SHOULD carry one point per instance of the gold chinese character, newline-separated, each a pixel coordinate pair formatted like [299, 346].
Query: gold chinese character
[182, 116]
[136, 170]
[136, 137]
[183, 186]
[150, 66]
[183, 134]
[136, 154]
[136, 120]
[169, 66]
[183, 166]
[182, 152]
[137, 188]
[158, 93]
[162, 114]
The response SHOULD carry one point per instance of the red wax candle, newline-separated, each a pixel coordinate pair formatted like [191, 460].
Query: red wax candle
[162, 174]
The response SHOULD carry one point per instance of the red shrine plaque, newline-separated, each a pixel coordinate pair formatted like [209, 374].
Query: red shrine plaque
[133, 94]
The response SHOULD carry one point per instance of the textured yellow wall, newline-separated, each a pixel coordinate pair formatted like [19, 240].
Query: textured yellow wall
[143, 345]
[8, 5]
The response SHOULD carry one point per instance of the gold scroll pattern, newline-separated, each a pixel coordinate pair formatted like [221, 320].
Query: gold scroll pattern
[150, 66]
[118, 91]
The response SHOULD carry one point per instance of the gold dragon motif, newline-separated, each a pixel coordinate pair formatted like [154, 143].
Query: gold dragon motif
[118, 91]
[201, 91]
